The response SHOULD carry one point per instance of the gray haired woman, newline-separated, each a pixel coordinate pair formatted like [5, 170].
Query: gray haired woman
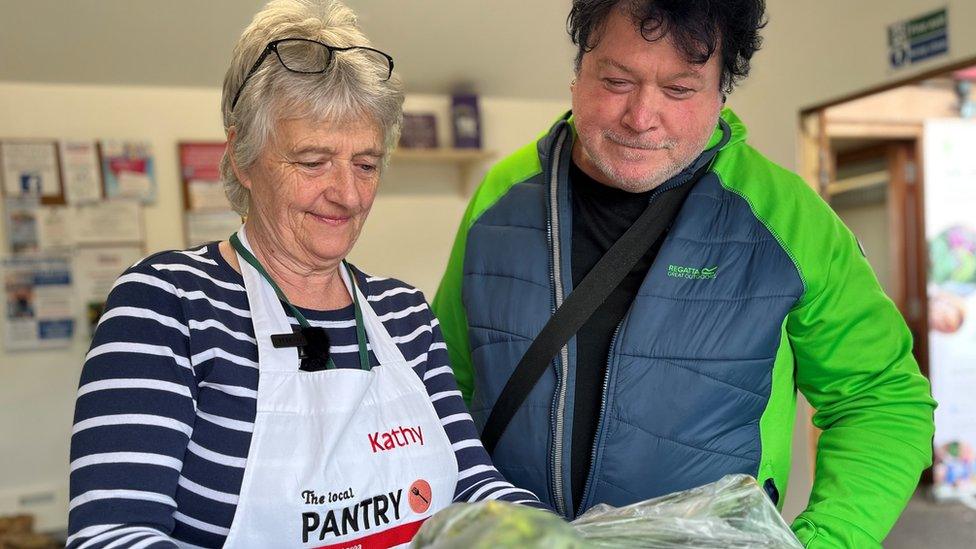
[260, 391]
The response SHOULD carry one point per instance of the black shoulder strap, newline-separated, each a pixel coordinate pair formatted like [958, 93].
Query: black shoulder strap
[595, 287]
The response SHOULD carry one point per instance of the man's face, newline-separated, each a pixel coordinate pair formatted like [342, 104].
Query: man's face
[643, 112]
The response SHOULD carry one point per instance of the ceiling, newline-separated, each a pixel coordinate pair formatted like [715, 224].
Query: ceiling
[513, 48]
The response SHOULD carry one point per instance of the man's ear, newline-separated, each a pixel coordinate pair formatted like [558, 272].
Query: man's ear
[238, 173]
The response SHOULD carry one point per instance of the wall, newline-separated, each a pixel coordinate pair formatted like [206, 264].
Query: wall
[408, 234]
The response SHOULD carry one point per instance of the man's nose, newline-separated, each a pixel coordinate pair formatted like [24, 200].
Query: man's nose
[643, 110]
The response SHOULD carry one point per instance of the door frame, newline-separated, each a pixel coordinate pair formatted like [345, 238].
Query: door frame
[817, 166]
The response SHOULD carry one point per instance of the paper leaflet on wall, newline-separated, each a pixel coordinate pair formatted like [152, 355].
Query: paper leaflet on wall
[39, 305]
[30, 168]
[80, 171]
[128, 170]
[96, 270]
[209, 216]
[200, 170]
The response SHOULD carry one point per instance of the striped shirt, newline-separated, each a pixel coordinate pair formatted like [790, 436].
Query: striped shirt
[167, 400]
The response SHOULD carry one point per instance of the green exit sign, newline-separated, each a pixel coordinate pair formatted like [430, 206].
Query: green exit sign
[918, 39]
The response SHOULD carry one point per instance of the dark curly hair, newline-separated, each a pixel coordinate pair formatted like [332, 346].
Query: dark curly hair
[697, 28]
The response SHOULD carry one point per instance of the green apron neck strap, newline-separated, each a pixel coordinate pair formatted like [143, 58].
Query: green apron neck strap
[360, 324]
[253, 261]
[236, 243]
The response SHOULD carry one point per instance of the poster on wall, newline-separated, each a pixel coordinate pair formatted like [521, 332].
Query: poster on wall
[30, 168]
[95, 272]
[950, 200]
[108, 222]
[33, 227]
[38, 303]
[200, 170]
[127, 167]
[80, 172]
[55, 229]
[204, 227]
[20, 218]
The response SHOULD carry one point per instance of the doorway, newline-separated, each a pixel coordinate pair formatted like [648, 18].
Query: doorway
[866, 156]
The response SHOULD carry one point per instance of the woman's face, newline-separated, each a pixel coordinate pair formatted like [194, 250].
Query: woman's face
[313, 186]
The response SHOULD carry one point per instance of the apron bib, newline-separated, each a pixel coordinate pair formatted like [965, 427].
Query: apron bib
[339, 458]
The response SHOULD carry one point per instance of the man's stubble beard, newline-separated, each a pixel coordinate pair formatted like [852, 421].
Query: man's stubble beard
[657, 176]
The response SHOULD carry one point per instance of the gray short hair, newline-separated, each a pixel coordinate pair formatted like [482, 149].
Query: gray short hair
[350, 88]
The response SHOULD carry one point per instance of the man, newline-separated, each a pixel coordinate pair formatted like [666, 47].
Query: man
[689, 369]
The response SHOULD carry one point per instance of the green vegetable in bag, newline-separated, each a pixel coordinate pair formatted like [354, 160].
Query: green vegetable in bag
[733, 513]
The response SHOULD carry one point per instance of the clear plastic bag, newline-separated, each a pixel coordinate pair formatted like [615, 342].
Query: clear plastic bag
[491, 524]
[732, 513]
[729, 514]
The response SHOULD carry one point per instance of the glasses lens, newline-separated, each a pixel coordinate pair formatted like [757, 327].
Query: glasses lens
[303, 56]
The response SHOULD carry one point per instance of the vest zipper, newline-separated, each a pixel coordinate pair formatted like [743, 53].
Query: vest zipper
[562, 371]
[599, 426]
[606, 382]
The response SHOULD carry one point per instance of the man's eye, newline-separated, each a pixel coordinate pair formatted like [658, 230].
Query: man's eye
[679, 91]
[615, 83]
[311, 165]
[367, 167]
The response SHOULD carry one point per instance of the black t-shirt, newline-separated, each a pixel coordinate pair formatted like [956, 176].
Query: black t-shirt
[601, 214]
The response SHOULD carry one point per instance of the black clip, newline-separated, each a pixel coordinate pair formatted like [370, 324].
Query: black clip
[313, 346]
[282, 341]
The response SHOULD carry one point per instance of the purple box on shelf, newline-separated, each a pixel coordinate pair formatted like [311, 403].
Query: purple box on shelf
[466, 121]
[419, 131]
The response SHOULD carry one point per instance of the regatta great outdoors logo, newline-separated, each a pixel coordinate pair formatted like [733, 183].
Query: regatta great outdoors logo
[692, 273]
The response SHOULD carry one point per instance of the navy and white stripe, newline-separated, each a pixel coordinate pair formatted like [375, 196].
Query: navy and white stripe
[167, 400]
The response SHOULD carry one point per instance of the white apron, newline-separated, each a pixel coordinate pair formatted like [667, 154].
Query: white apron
[339, 458]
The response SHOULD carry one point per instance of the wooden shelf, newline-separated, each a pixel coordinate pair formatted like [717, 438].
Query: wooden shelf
[443, 155]
[466, 160]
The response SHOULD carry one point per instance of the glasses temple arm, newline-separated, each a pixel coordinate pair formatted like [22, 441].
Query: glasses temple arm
[254, 69]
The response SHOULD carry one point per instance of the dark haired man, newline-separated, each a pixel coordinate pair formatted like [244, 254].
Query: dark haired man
[745, 288]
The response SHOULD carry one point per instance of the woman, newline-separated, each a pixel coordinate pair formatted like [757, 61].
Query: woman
[230, 396]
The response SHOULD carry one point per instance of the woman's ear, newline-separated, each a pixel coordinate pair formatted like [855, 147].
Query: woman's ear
[238, 173]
